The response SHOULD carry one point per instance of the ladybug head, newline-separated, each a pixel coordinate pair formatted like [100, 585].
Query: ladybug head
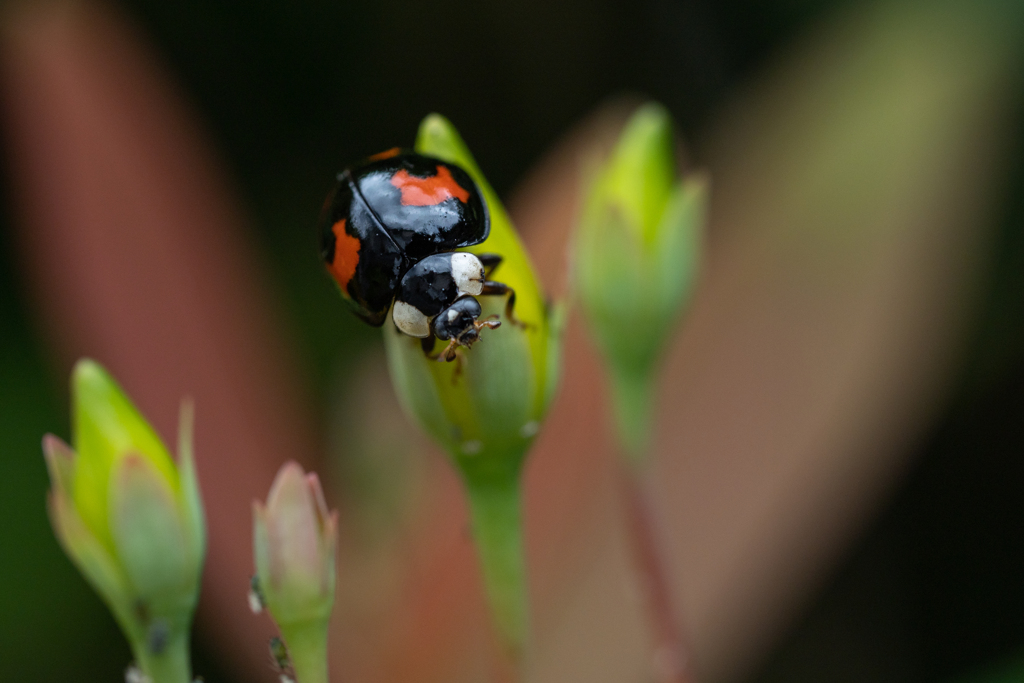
[460, 324]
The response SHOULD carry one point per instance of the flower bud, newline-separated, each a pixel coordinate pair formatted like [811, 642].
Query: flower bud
[637, 252]
[294, 539]
[130, 519]
[486, 408]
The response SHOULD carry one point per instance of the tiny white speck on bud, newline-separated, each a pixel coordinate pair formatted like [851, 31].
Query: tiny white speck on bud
[285, 678]
[255, 597]
[255, 604]
[133, 674]
[472, 447]
[529, 429]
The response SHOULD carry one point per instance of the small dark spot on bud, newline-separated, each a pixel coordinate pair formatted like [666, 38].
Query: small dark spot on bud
[141, 611]
[158, 635]
[279, 656]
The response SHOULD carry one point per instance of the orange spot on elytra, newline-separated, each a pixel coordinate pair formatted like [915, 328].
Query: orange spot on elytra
[346, 255]
[428, 191]
[386, 154]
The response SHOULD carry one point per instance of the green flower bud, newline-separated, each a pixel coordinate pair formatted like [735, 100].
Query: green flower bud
[294, 540]
[486, 408]
[130, 519]
[637, 252]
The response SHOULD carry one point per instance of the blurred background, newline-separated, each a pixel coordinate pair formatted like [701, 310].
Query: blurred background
[840, 451]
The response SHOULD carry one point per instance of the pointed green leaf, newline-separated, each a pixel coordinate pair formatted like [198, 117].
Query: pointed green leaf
[60, 463]
[91, 557]
[190, 499]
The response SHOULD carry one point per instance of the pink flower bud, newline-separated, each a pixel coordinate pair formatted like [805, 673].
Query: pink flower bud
[294, 537]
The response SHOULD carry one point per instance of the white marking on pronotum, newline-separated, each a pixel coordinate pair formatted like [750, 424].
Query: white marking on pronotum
[472, 447]
[468, 273]
[529, 429]
[410, 320]
[452, 315]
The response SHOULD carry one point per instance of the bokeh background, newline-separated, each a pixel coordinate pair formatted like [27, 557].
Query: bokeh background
[840, 452]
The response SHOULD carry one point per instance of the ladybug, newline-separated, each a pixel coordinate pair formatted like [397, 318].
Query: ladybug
[389, 232]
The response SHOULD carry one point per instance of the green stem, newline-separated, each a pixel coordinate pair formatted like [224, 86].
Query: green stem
[172, 665]
[307, 649]
[633, 399]
[497, 519]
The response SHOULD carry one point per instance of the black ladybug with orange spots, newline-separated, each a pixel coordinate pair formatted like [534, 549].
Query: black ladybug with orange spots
[389, 234]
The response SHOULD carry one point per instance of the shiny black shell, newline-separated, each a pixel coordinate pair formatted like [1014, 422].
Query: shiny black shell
[388, 213]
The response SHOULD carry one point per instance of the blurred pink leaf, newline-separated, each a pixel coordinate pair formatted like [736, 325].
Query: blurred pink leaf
[136, 253]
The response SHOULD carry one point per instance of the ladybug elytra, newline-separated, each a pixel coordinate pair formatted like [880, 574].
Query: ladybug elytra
[389, 234]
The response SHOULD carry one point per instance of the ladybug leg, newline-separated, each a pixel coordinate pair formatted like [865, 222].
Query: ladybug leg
[458, 369]
[490, 262]
[490, 321]
[500, 288]
[451, 352]
[447, 354]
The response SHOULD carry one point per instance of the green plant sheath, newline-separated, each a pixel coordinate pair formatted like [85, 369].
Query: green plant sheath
[172, 665]
[496, 514]
[307, 649]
